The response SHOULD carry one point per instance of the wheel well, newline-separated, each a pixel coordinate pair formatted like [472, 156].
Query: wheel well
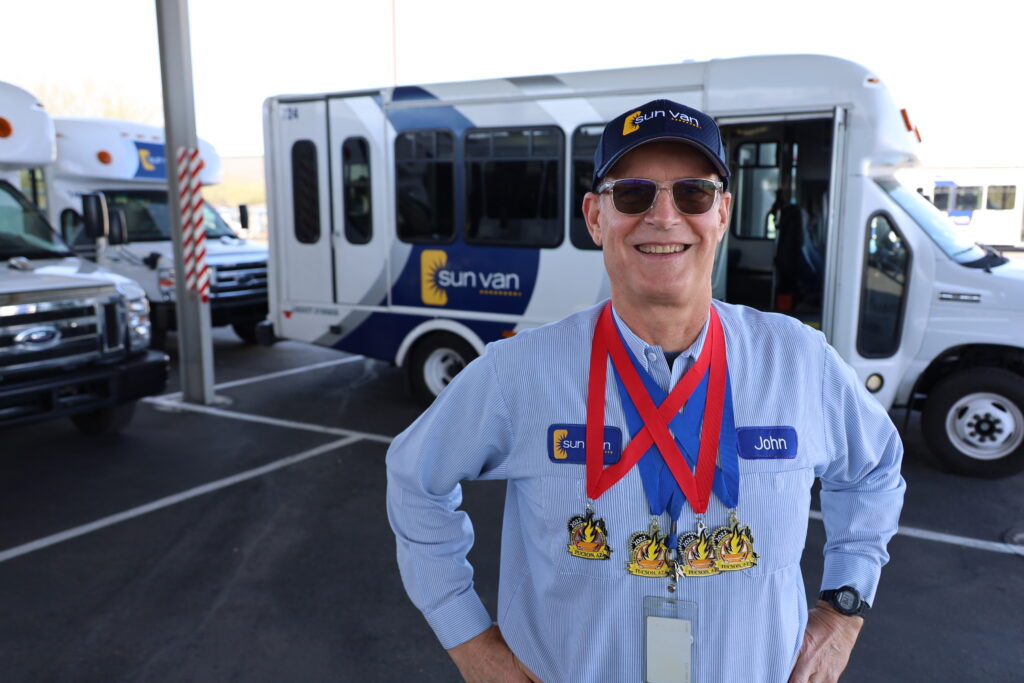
[439, 326]
[963, 357]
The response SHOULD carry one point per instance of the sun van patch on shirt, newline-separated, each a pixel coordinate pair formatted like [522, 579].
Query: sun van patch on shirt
[766, 443]
[568, 444]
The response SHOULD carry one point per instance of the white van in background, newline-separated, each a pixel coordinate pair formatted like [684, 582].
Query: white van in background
[127, 163]
[415, 224]
[74, 338]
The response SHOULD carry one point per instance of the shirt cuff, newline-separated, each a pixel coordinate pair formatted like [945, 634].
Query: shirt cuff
[463, 618]
[844, 569]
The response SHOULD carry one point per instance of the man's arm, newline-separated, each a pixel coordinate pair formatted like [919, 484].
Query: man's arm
[861, 498]
[465, 434]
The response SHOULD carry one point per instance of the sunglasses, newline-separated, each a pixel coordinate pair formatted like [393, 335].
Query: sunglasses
[692, 196]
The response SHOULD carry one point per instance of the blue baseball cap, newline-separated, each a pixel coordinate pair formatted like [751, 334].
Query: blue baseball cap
[660, 120]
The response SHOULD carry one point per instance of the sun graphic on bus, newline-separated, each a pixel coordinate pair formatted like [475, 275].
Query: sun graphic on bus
[431, 262]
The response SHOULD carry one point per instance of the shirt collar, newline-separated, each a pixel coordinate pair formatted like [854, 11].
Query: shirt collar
[640, 348]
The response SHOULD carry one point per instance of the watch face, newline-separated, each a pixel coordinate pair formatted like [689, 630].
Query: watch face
[846, 600]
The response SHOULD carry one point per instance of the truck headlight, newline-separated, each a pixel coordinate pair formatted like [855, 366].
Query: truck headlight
[139, 326]
[165, 281]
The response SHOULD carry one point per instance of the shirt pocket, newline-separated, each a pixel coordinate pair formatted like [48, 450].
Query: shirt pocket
[775, 505]
[564, 498]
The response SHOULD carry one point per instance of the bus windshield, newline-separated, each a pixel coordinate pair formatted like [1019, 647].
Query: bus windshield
[955, 242]
[24, 231]
[148, 218]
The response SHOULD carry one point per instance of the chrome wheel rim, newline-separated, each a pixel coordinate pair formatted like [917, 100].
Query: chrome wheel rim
[440, 368]
[985, 426]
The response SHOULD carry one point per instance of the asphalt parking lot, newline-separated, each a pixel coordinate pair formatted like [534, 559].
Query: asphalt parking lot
[249, 542]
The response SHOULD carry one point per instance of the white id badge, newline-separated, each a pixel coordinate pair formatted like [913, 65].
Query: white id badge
[669, 640]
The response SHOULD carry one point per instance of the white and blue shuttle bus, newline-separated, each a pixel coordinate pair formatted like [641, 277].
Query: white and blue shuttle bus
[417, 224]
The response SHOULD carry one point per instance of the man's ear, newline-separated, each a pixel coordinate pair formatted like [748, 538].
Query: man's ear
[591, 213]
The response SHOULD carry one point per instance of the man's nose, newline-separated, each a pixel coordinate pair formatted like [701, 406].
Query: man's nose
[664, 212]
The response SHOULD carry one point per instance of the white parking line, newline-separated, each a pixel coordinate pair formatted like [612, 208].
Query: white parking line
[53, 539]
[178, 406]
[275, 375]
[964, 541]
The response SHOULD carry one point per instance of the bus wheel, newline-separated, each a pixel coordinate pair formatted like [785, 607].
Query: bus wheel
[246, 331]
[974, 422]
[434, 362]
[105, 420]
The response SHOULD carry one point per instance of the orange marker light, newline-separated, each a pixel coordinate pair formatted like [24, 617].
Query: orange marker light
[104, 157]
[5, 128]
[906, 120]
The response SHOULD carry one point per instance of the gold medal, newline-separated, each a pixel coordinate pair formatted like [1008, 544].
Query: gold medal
[697, 553]
[588, 537]
[734, 546]
[648, 554]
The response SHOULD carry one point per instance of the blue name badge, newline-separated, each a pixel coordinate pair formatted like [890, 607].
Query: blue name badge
[766, 443]
[568, 443]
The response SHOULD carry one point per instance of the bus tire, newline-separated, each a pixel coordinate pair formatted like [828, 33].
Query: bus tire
[246, 332]
[973, 421]
[109, 420]
[433, 363]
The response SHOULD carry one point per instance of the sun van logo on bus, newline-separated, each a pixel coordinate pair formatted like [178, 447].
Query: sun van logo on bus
[437, 278]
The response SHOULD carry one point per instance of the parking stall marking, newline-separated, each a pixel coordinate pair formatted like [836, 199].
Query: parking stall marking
[274, 375]
[964, 541]
[75, 532]
[162, 403]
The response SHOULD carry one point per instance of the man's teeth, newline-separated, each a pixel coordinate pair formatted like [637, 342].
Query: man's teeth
[661, 248]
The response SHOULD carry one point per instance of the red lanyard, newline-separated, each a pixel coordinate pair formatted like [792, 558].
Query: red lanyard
[697, 489]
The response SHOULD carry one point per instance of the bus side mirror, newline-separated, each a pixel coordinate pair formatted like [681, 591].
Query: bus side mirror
[243, 216]
[118, 233]
[94, 215]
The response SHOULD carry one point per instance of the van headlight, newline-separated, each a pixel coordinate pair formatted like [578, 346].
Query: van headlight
[165, 282]
[139, 326]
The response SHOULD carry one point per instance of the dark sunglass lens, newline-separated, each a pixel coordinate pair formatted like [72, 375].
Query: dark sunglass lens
[633, 196]
[694, 195]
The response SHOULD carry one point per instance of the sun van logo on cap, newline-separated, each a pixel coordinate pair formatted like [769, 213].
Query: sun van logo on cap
[629, 125]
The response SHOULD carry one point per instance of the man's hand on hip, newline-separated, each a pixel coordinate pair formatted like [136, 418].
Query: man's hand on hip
[488, 659]
[828, 641]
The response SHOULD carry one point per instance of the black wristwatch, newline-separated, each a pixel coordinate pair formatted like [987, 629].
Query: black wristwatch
[846, 600]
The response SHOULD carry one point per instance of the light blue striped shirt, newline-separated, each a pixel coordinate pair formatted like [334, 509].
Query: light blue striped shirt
[572, 619]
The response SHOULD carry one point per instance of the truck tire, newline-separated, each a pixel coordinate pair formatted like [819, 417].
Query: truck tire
[246, 331]
[974, 422]
[105, 420]
[433, 363]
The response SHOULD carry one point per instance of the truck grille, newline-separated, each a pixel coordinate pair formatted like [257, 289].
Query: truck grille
[57, 334]
[239, 281]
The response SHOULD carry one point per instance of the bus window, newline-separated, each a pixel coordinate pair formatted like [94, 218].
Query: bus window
[941, 200]
[967, 199]
[1001, 197]
[355, 178]
[757, 188]
[584, 144]
[425, 185]
[884, 290]
[305, 192]
[514, 187]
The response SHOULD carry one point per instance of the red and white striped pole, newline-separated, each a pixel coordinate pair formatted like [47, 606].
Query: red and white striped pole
[193, 232]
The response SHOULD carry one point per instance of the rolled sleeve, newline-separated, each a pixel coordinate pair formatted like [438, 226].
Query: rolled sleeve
[861, 486]
[464, 435]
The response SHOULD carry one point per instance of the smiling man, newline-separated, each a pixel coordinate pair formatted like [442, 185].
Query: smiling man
[659, 449]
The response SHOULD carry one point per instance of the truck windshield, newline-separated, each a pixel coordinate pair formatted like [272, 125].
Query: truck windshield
[24, 231]
[148, 217]
[955, 242]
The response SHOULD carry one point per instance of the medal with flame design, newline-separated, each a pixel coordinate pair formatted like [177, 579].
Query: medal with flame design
[697, 553]
[648, 554]
[734, 546]
[588, 537]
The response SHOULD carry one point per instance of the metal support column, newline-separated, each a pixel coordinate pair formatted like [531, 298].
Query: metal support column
[195, 343]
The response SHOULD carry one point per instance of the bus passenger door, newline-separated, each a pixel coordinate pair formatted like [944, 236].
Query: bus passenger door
[304, 239]
[357, 131]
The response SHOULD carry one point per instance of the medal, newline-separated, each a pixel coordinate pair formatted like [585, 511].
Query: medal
[588, 537]
[734, 546]
[648, 553]
[696, 553]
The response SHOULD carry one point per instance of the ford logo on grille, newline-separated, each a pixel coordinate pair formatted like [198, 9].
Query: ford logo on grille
[37, 338]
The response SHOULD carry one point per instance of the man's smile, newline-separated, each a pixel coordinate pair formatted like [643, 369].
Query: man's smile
[662, 248]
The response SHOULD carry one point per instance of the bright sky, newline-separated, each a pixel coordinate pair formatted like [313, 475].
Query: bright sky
[957, 66]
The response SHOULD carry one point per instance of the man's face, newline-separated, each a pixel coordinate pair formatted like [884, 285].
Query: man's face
[661, 255]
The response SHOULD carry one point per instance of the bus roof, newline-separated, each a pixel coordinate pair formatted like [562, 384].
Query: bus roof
[26, 130]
